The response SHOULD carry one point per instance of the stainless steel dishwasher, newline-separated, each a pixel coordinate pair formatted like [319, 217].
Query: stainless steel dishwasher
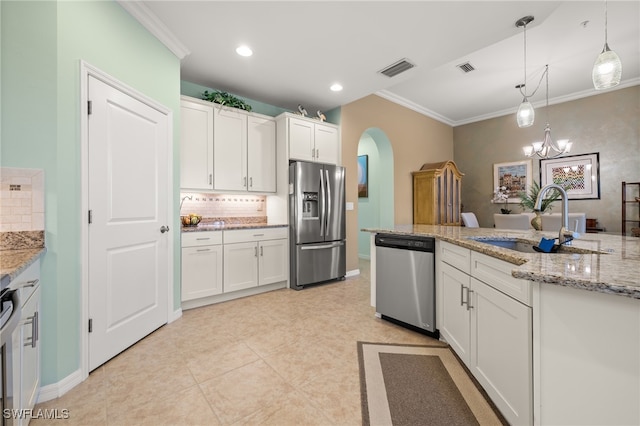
[405, 281]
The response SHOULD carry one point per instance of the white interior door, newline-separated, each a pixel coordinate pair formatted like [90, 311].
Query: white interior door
[128, 147]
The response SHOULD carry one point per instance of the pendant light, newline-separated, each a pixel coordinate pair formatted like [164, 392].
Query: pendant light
[547, 148]
[607, 70]
[526, 114]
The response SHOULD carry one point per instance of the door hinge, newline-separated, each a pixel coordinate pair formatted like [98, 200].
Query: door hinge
[90, 216]
[90, 325]
[89, 107]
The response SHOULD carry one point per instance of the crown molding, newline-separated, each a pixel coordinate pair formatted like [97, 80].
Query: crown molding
[413, 106]
[155, 26]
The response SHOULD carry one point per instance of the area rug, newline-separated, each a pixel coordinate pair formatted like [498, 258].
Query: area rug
[419, 385]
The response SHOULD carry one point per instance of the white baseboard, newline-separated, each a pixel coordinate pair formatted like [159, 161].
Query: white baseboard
[352, 273]
[174, 315]
[56, 390]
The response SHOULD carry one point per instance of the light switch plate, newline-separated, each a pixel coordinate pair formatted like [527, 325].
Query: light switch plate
[349, 206]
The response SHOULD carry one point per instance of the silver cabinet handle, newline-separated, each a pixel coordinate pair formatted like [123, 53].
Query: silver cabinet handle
[203, 250]
[255, 251]
[244, 182]
[33, 320]
[210, 179]
[462, 295]
[250, 182]
[469, 305]
[203, 239]
[164, 229]
[317, 153]
[258, 235]
[261, 251]
[31, 283]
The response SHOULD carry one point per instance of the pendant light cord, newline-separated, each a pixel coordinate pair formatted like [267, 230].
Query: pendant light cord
[524, 94]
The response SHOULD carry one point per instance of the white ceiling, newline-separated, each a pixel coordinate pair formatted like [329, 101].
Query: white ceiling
[302, 47]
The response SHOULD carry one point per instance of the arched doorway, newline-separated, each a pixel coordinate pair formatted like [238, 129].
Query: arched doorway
[376, 209]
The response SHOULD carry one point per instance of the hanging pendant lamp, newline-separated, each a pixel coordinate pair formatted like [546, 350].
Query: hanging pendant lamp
[607, 70]
[526, 114]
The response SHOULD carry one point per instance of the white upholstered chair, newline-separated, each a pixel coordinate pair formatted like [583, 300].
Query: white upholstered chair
[511, 221]
[470, 220]
[553, 222]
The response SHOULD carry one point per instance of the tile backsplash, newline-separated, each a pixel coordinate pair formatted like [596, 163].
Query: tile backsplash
[224, 205]
[21, 199]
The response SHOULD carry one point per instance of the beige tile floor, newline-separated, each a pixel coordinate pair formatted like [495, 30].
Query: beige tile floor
[281, 358]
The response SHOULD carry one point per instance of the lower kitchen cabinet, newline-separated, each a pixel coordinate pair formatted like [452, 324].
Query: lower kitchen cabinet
[490, 330]
[223, 265]
[26, 343]
[201, 264]
[259, 259]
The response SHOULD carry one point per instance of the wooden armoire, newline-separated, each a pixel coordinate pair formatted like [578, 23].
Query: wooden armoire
[436, 194]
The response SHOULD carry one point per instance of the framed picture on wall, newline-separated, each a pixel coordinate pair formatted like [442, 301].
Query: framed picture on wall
[578, 174]
[363, 176]
[515, 177]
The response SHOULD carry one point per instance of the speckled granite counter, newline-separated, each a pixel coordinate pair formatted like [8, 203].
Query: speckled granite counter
[18, 250]
[229, 226]
[595, 262]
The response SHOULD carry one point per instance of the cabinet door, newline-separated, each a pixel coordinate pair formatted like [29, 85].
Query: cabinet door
[454, 295]
[501, 351]
[261, 154]
[240, 266]
[30, 344]
[201, 272]
[196, 146]
[229, 150]
[301, 145]
[327, 144]
[273, 263]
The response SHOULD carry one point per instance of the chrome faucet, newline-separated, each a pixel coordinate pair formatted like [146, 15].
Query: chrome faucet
[564, 235]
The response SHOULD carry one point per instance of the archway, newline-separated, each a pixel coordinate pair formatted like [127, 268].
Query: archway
[376, 209]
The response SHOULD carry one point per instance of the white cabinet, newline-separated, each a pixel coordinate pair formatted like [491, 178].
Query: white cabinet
[26, 342]
[244, 152]
[201, 264]
[226, 149]
[196, 145]
[310, 140]
[254, 257]
[483, 317]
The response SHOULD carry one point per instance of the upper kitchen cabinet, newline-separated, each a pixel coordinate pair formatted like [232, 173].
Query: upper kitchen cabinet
[241, 149]
[310, 140]
[196, 145]
[436, 194]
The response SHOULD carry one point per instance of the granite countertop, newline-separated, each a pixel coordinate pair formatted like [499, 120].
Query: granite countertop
[604, 263]
[13, 262]
[230, 226]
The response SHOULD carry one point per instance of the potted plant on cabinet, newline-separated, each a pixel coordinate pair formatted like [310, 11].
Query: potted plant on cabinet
[528, 202]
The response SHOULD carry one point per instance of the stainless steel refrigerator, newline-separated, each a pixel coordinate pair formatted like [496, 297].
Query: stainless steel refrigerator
[317, 219]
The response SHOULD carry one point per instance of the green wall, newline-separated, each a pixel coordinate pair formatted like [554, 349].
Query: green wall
[42, 45]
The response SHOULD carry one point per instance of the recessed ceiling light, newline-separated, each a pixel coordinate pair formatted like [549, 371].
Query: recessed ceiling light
[336, 87]
[244, 51]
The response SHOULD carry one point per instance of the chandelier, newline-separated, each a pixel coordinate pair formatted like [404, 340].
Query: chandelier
[547, 148]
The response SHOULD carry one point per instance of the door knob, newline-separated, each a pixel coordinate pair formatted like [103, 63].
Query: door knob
[164, 229]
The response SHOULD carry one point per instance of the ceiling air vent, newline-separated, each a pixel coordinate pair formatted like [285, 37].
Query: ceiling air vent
[394, 69]
[466, 67]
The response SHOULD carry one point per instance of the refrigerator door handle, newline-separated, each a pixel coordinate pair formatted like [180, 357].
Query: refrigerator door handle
[328, 202]
[323, 246]
[322, 204]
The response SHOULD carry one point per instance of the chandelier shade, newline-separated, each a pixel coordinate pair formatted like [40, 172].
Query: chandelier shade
[526, 114]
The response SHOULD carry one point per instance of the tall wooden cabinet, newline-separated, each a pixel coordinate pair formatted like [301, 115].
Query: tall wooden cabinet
[436, 194]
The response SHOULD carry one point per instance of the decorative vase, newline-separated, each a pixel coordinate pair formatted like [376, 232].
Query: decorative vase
[536, 222]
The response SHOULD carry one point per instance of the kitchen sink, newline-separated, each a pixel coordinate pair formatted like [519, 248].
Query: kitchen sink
[524, 246]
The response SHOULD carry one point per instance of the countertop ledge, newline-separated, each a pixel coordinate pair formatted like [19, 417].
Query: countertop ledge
[612, 266]
[231, 226]
[13, 262]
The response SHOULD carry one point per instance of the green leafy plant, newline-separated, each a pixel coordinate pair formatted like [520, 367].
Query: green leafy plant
[224, 98]
[528, 201]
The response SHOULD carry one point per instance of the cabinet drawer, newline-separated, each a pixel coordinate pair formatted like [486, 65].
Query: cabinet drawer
[195, 239]
[456, 256]
[497, 274]
[256, 234]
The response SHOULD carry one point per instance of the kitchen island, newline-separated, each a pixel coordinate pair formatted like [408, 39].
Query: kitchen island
[574, 340]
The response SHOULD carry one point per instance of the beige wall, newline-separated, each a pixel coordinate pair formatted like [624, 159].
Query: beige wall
[415, 140]
[607, 123]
